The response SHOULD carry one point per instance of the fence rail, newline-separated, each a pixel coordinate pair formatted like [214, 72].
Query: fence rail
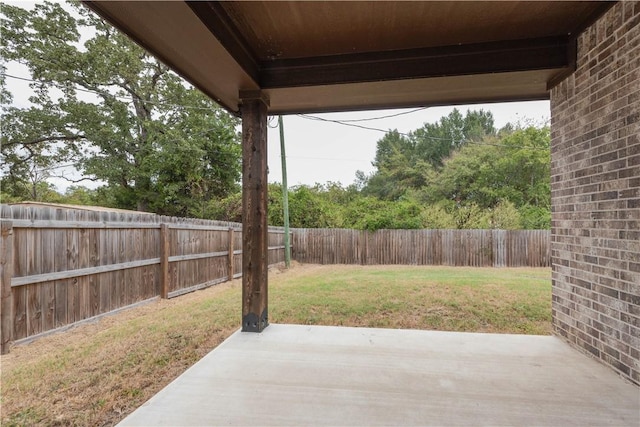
[475, 248]
[60, 266]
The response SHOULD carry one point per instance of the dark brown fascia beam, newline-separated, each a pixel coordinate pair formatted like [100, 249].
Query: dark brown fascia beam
[572, 54]
[601, 8]
[481, 58]
[572, 47]
[217, 20]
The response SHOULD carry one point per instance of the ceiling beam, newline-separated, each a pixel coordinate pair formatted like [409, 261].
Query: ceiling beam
[217, 20]
[481, 58]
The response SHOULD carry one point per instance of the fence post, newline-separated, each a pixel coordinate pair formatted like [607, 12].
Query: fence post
[164, 261]
[291, 245]
[231, 250]
[6, 272]
[492, 255]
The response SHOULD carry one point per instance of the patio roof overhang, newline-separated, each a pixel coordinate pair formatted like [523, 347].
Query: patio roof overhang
[337, 56]
[259, 58]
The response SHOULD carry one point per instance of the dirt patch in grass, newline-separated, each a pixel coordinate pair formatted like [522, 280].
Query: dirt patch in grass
[97, 373]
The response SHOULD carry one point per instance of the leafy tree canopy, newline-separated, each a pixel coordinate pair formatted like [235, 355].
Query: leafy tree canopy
[405, 161]
[515, 167]
[122, 117]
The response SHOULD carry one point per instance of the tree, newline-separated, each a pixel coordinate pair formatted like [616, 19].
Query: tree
[159, 144]
[309, 207]
[436, 216]
[511, 171]
[398, 165]
[436, 141]
[79, 195]
[404, 162]
[24, 168]
[368, 214]
[499, 182]
[226, 209]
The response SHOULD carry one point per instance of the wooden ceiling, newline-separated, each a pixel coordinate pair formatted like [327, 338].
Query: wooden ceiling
[333, 56]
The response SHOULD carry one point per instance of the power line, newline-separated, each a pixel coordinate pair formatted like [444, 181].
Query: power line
[344, 123]
[51, 84]
[78, 164]
[328, 159]
[120, 97]
[48, 168]
[347, 123]
[384, 117]
[17, 78]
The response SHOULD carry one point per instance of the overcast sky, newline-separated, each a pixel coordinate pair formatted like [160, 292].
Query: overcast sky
[317, 151]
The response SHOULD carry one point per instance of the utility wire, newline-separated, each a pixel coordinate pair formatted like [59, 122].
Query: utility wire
[77, 164]
[122, 98]
[347, 123]
[344, 123]
[327, 158]
[49, 168]
[384, 117]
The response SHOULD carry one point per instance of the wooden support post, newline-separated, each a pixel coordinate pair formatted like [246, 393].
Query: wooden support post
[6, 273]
[254, 212]
[231, 249]
[164, 261]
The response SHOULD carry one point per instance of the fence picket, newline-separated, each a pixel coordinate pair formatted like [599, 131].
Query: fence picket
[6, 294]
[67, 265]
[475, 248]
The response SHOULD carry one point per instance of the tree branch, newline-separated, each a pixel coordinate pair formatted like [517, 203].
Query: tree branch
[75, 181]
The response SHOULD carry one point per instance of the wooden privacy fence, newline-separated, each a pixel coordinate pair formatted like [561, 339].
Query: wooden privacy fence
[60, 266]
[475, 248]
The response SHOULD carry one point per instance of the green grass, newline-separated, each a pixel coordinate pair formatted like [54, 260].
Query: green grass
[452, 299]
[98, 373]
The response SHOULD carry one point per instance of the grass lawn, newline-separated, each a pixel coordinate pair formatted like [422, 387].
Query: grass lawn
[96, 374]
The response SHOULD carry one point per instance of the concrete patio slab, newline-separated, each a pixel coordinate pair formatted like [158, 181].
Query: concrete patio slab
[338, 376]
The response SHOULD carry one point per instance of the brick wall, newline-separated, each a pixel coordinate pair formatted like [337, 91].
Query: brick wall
[595, 175]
